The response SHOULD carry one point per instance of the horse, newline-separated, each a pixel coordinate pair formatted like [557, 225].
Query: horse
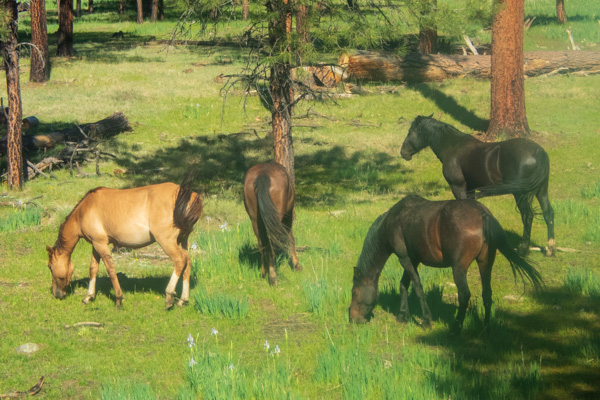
[269, 202]
[129, 218]
[476, 169]
[438, 234]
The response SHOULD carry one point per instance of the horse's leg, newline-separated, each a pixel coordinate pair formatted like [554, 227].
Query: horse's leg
[178, 256]
[94, 264]
[524, 206]
[464, 295]
[548, 212]
[104, 252]
[485, 262]
[185, 291]
[411, 270]
[404, 311]
[287, 222]
[270, 255]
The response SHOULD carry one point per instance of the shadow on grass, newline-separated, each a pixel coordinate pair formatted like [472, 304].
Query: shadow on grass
[562, 336]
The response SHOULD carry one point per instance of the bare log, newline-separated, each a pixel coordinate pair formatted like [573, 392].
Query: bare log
[418, 67]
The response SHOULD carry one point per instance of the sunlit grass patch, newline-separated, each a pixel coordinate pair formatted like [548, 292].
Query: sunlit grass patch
[19, 218]
[125, 389]
[585, 282]
[220, 304]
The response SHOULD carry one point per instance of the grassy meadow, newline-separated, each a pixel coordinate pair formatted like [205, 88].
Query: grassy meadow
[240, 337]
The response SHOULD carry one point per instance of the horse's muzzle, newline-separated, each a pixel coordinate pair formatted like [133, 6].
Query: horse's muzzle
[406, 155]
[58, 293]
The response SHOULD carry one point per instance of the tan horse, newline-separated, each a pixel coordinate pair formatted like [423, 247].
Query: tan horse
[130, 218]
[269, 201]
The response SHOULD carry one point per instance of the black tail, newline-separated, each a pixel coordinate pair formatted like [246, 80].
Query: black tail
[270, 227]
[529, 185]
[494, 235]
[186, 215]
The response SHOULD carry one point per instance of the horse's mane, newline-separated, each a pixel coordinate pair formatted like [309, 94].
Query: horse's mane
[372, 247]
[435, 130]
[61, 240]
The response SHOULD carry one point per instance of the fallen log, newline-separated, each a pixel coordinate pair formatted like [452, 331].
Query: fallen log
[100, 130]
[417, 67]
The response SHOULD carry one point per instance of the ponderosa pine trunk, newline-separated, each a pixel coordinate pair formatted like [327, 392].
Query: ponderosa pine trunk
[245, 9]
[507, 114]
[154, 14]
[40, 55]
[428, 35]
[13, 89]
[140, 15]
[280, 82]
[65, 28]
[302, 23]
[90, 6]
[561, 13]
[161, 10]
[122, 6]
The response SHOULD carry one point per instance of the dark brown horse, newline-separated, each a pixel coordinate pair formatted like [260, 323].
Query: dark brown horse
[269, 201]
[438, 234]
[130, 218]
[475, 169]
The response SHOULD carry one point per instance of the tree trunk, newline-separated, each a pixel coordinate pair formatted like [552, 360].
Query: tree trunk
[78, 9]
[122, 7]
[245, 9]
[140, 15]
[507, 114]
[40, 55]
[302, 24]
[428, 35]
[154, 14]
[280, 83]
[65, 28]
[416, 67]
[90, 6]
[13, 89]
[161, 10]
[561, 13]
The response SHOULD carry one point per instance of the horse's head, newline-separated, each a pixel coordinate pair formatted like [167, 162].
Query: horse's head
[61, 268]
[364, 297]
[414, 141]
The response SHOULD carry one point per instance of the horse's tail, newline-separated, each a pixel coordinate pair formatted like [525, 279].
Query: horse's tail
[270, 227]
[528, 186]
[186, 214]
[495, 236]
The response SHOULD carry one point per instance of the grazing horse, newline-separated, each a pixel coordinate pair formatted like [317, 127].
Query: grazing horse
[438, 234]
[475, 169]
[269, 201]
[130, 218]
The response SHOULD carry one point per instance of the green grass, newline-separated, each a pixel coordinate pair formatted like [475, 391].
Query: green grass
[541, 344]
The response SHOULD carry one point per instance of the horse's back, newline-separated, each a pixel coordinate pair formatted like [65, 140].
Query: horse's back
[280, 188]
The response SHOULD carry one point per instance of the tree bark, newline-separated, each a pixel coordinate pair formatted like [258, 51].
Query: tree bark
[507, 115]
[428, 35]
[78, 8]
[65, 28]
[13, 89]
[90, 6]
[561, 13]
[245, 10]
[161, 10]
[154, 14]
[122, 7]
[416, 67]
[140, 15]
[280, 82]
[40, 55]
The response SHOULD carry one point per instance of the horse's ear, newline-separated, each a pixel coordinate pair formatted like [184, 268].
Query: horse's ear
[49, 250]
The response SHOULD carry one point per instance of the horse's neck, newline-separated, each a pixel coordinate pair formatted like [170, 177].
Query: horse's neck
[444, 141]
[69, 234]
[375, 251]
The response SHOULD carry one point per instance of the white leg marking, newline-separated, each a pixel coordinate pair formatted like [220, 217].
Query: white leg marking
[172, 283]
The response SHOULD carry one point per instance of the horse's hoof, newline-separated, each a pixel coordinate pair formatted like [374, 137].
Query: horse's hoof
[402, 318]
[87, 299]
[297, 267]
[182, 303]
[551, 249]
[273, 281]
[523, 250]
[119, 304]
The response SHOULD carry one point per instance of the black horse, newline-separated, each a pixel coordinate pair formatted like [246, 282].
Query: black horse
[477, 169]
[439, 234]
